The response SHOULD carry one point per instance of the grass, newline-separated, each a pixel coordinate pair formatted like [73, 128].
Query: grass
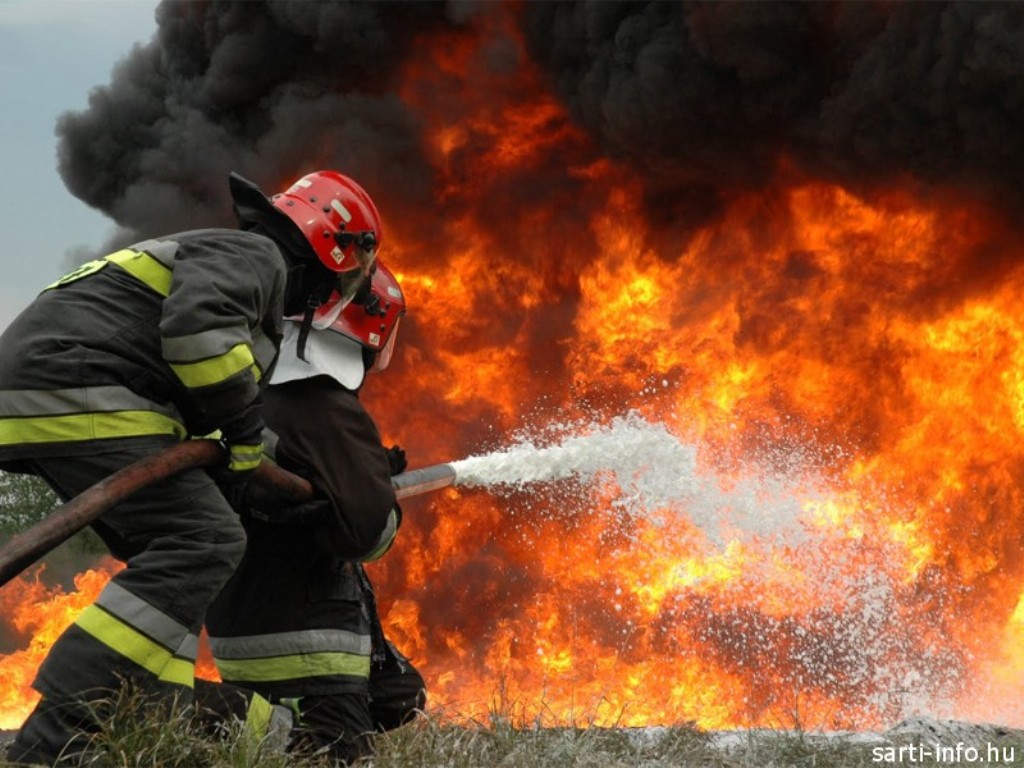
[135, 734]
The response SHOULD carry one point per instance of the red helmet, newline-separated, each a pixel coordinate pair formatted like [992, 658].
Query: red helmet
[371, 319]
[340, 222]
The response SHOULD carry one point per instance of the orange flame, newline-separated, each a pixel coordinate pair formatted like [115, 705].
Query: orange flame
[864, 346]
[847, 365]
[38, 612]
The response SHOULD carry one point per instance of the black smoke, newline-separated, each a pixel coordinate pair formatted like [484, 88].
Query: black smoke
[716, 95]
[269, 89]
[703, 98]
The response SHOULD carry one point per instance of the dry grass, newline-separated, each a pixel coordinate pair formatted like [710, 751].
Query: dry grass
[134, 735]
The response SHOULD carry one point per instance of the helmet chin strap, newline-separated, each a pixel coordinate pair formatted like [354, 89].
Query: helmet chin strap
[314, 300]
[307, 323]
[295, 296]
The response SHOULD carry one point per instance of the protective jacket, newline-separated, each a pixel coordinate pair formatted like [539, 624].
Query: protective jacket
[294, 619]
[165, 338]
[127, 353]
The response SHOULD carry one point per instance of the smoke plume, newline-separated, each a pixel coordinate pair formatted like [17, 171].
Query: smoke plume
[703, 98]
[269, 89]
[714, 96]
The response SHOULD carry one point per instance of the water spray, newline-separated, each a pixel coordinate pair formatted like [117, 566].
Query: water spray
[653, 468]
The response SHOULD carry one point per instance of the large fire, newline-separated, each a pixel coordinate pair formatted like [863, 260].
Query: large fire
[861, 345]
[38, 613]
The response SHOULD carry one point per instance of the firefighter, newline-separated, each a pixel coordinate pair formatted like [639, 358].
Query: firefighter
[164, 340]
[298, 622]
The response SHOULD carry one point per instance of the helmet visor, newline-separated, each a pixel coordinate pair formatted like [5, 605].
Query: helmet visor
[383, 357]
[349, 283]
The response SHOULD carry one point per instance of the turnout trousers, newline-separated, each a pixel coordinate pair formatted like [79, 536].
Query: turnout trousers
[304, 631]
[338, 726]
[180, 541]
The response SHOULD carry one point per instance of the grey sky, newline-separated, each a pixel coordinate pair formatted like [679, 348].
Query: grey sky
[52, 54]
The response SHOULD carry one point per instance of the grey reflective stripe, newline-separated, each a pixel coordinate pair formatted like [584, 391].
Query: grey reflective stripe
[189, 647]
[150, 621]
[290, 643]
[161, 250]
[270, 440]
[200, 346]
[386, 539]
[264, 350]
[282, 720]
[105, 399]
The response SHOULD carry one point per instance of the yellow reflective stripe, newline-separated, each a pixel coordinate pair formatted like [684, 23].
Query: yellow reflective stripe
[76, 274]
[294, 643]
[245, 457]
[147, 619]
[257, 716]
[145, 268]
[179, 672]
[216, 369]
[293, 667]
[139, 264]
[86, 426]
[132, 644]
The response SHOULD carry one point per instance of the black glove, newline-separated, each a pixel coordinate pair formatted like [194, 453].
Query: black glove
[243, 440]
[396, 460]
[243, 447]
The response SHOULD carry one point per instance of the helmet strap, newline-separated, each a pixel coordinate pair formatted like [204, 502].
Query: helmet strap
[307, 323]
[314, 301]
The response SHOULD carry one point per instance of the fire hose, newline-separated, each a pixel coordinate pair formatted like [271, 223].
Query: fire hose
[269, 483]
